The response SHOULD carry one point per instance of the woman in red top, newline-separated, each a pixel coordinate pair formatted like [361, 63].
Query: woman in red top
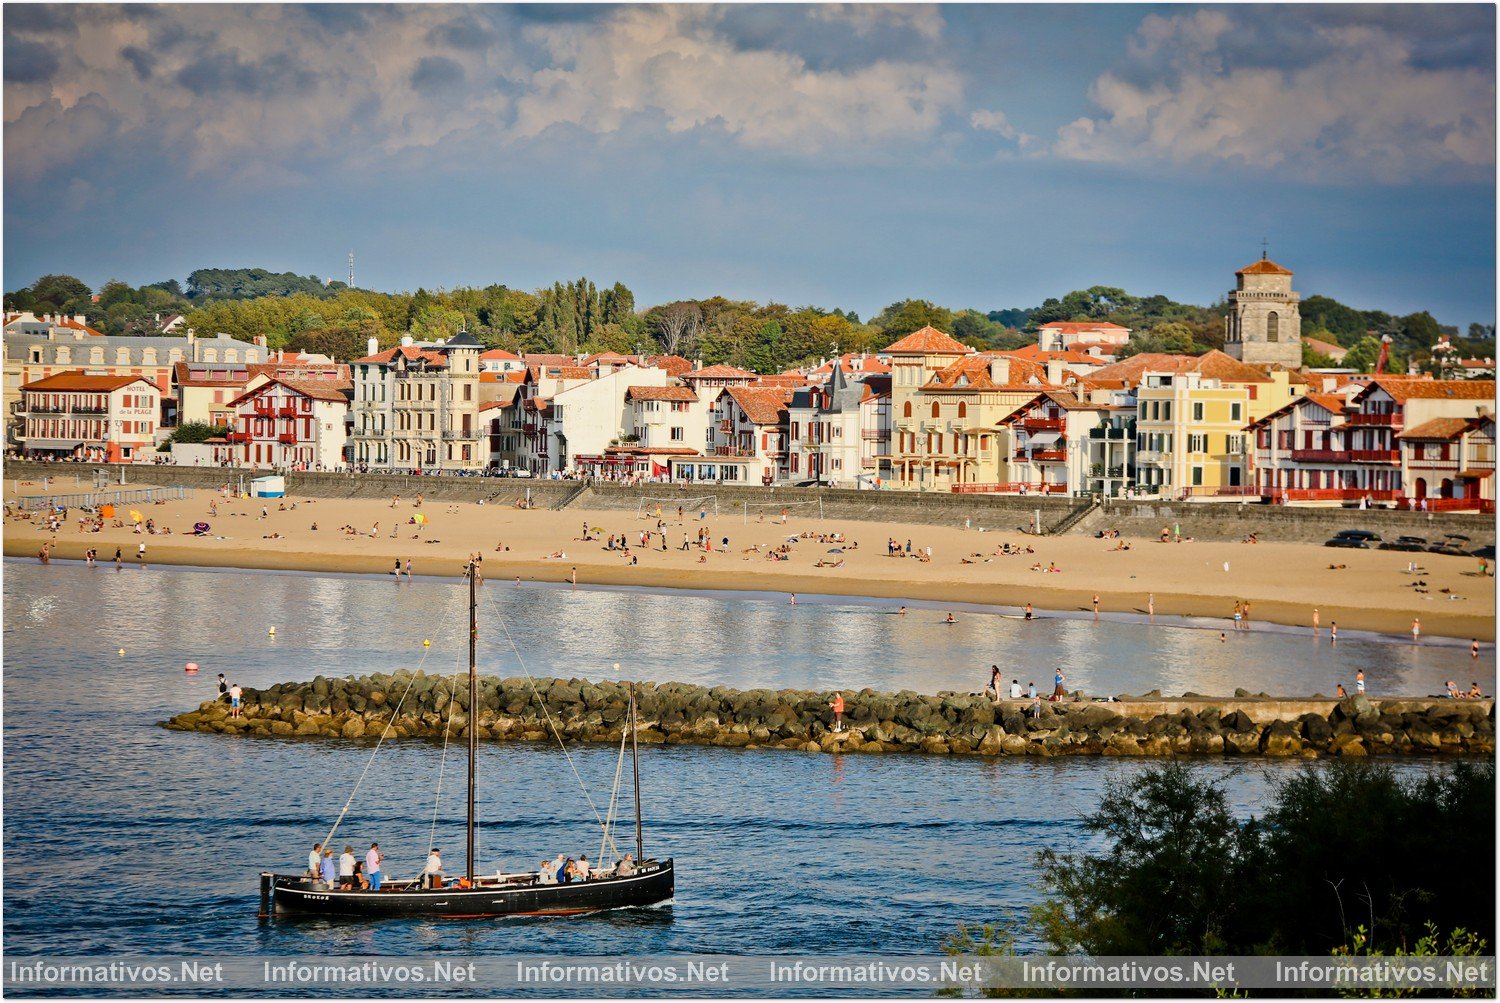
[838, 711]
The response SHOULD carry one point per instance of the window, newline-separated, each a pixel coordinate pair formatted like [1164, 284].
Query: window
[906, 409]
[1197, 410]
[1198, 443]
[1273, 327]
[677, 434]
[935, 409]
[1197, 476]
[1234, 444]
[1234, 411]
[963, 410]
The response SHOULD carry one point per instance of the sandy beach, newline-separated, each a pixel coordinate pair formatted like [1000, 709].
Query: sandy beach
[1283, 583]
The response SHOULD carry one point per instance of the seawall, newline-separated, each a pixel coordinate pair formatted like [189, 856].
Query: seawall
[1141, 518]
[418, 706]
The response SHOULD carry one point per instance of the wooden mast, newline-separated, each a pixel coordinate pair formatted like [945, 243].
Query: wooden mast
[635, 768]
[473, 704]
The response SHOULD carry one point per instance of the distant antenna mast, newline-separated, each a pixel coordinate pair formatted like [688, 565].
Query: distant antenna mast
[351, 269]
[1263, 245]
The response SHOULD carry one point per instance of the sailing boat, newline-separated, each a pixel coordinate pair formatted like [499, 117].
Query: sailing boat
[647, 882]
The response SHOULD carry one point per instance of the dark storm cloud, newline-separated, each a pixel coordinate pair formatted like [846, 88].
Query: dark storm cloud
[469, 31]
[226, 73]
[139, 60]
[39, 19]
[561, 13]
[28, 62]
[436, 73]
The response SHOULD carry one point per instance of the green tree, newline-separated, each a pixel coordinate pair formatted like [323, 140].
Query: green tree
[60, 293]
[197, 431]
[900, 319]
[1363, 356]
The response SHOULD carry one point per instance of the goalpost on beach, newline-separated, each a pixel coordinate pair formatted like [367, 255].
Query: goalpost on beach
[707, 503]
[803, 508]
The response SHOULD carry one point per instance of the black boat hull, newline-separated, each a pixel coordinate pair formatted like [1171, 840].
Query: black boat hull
[297, 896]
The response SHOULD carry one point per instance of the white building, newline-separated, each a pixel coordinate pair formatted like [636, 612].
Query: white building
[289, 424]
[98, 417]
[581, 418]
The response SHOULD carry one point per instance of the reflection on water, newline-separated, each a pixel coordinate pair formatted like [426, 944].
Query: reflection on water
[776, 851]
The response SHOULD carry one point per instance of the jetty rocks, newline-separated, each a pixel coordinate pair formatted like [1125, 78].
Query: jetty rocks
[418, 706]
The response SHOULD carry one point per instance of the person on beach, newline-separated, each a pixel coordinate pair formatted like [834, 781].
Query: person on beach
[1238, 614]
[1028, 611]
[119, 561]
[1474, 648]
[1058, 689]
[140, 553]
[837, 705]
[901, 611]
[1333, 632]
[1151, 604]
[1096, 605]
[397, 569]
[794, 600]
[1359, 681]
[1315, 620]
[1341, 692]
[408, 568]
[573, 578]
[1416, 630]
[1221, 637]
[1246, 611]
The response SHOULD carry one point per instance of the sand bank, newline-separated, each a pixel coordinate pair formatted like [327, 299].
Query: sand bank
[1284, 583]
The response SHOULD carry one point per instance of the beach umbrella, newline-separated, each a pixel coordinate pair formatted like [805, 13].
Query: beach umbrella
[421, 519]
[135, 515]
[200, 528]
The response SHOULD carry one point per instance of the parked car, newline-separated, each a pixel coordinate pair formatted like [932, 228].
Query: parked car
[1408, 543]
[1359, 539]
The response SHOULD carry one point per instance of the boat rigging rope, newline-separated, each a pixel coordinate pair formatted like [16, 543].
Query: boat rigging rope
[608, 839]
[546, 715]
[443, 762]
[328, 839]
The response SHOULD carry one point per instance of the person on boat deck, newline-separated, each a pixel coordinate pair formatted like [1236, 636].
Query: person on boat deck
[432, 874]
[625, 867]
[314, 860]
[372, 866]
[346, 867]
[546, 874]
[329, 869]
[582, 867]
[560, 868]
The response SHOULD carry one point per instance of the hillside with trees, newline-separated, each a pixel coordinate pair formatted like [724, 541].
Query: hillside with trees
[304, 313]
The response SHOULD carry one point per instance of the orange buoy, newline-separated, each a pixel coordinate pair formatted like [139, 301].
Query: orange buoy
[191, 668]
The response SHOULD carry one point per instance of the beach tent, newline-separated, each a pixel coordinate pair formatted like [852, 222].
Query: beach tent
[273, 486]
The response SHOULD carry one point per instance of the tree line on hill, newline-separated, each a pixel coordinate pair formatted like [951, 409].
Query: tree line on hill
[303, 313]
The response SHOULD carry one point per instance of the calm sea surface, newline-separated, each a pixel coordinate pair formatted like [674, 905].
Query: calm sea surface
[123, 838]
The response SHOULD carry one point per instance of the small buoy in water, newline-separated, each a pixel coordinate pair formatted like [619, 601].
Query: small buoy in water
[191, 668]
[426, 644]
[122, 651]
[272, 632]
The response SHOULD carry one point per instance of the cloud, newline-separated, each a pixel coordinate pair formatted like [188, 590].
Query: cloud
[436, 73]
[28, 62]
[993, 121]
[1354, 106]
[672, 63]
[924, 19]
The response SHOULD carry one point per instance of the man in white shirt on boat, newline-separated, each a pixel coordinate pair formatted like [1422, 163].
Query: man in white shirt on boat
[432, 874]
[346, 867]
[547, 873]
[315, 859]
[581, 867]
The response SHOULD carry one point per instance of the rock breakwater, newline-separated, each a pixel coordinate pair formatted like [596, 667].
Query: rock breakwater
[418, 706]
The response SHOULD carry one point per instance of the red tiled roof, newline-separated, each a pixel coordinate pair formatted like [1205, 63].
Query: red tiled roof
[411, 352]
[324, 390]
[762, 405]
[1264, 267]
[789, 380]
[1327, 348]
[574, 373]
[1079, 327]
[1403, 389]
[77, 380]
[928, 341]
[1034, 353]
[548, 359]
[209, 375]
[720, 372]
[673, 393]
[497, 354]
[675, 365]
[337, 371]
[973, 373]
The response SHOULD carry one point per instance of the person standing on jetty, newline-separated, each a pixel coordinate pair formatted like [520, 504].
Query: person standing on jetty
[837, 705]
[1059, 690]
[994, 686]
[1359, 682]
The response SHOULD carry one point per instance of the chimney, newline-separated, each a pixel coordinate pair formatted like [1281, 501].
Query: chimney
[79, 317]
[1000, 370]
[372, 347]
[406, 341]
[260, 340]
[1055, 371]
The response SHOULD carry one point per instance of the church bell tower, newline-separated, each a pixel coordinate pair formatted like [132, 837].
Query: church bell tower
[1264, 325]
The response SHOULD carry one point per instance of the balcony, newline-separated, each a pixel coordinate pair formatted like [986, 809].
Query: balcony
[1320, 456]
[875, 434]
[1374, 456]
[1375, 419]
[287, 438]
[238, 436]
[287, 411]
[529, 428]
[1107, 432]
[726, 425]
[735, 451]
[459, 433]
[1042, 424]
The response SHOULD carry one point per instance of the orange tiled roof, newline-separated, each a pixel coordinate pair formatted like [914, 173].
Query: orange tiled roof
[411, 352]
[324, 390]
[1079, 327]
[1214, 364]
[497, 354]
[1438, 428]
[210, 375]
[762, 405]
[675, 365]
[574, 373]
[1264, 267]
[973, 373]
[674, 393]
[77, 380]
[928, 341]
[1403, 389]
[1034, 353]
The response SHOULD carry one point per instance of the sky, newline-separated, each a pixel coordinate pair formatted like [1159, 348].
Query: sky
[839, 155]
